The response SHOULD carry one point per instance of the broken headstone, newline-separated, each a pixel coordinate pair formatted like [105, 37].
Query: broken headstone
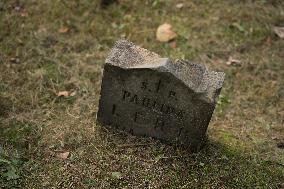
[147, 95]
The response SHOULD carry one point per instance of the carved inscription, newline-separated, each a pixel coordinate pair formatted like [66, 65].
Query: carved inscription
[146, 86]
[160, 110]
[152, 104]
[159, 123]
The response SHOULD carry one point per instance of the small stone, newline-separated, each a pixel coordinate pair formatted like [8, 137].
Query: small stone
[147, 95]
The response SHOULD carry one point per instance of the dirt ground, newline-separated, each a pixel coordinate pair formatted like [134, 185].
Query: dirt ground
[48, 141]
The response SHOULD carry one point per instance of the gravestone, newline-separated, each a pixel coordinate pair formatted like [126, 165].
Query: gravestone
[147, 95]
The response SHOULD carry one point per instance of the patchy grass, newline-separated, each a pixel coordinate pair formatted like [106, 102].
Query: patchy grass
[37, 61]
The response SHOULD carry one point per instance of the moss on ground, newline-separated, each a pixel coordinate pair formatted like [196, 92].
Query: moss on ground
[51, 46]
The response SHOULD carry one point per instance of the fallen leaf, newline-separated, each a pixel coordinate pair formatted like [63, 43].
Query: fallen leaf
[24, 13]
[63, 29]
[179, 5]
[63, 93]
[233, 62]
[116, 175]
[63, 155]
[73, 93]
[164, 33]
[279, 31]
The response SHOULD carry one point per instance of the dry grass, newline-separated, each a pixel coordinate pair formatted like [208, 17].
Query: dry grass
[37, 61]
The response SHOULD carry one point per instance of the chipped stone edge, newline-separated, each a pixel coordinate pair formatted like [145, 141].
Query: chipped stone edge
[146, 59]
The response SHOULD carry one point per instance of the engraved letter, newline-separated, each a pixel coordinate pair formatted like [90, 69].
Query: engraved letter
[144, 84]
[113, 109]
[180, 114]
[154, 104]
[137, 115]
[134, 99]
[146, 102]
[126, 94]
[158, 86]
[159, 123]
[162, 108]
[172, 94]
[170, 109]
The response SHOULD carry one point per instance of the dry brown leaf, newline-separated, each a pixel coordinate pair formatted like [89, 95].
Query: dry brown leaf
[63, 93]
[63, 29]
[233, 62]
[279, 31]
[165, 33]
[63, 155]
[24, 13]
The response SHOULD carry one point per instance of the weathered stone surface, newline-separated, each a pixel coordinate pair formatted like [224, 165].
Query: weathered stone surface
[147, 95]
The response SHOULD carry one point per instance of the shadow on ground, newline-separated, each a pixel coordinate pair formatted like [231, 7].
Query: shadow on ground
[117, 160]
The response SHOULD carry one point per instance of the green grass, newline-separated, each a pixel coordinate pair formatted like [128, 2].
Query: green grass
[37, 61]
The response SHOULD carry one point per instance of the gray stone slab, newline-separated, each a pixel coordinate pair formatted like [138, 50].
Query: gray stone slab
[147, 95]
